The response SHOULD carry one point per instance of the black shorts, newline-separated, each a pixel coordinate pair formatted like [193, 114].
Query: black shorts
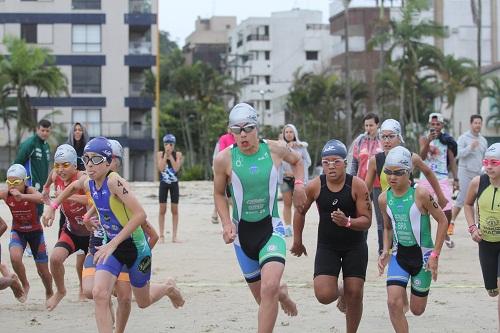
[72, 242]
[174, 192]
[352, 261]
[489, 258]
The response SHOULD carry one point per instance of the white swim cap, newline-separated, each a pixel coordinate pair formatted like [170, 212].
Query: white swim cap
[399, 157]
[393, 126]
[116, 147]
[493, 151]
[65, 153]
[242, 113]
[17, 170]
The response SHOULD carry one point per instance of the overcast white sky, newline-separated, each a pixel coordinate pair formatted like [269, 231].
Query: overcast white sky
[178, 16]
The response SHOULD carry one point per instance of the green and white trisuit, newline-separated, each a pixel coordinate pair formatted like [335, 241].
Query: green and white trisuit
[412, 243]
[260, 231]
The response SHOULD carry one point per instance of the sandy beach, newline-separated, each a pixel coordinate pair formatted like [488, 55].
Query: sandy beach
[217, 299]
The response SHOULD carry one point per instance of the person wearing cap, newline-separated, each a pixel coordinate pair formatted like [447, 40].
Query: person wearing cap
[169, 164]
[390, 135]
[438, 150]
[344, 209]
[22, 201]
[407, 224]
[483, 191]
[121, 216]
[250, 168]
[74, 236]
[291, 137]
[471, 148]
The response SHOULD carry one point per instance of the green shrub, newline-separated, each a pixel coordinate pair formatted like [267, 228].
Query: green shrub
[193, 173]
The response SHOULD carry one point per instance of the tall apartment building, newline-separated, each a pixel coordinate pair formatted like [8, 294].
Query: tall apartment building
[105, 49]
[265, 52]
[208, 42]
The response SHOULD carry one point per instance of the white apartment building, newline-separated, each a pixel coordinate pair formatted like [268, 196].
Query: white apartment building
[265, 52]
[105, 49]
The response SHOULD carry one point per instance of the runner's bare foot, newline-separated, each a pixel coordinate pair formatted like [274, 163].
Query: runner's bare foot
[288, 306]
[54, 300]
[81, 296]
[162, 239]
[26, 289]
[174, 293]
[177, 240]
[17, 288]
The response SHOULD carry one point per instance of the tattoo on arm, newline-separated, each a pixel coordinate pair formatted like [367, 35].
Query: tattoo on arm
[368, 203]
[125, 191]
[434, 203]
[119, 183]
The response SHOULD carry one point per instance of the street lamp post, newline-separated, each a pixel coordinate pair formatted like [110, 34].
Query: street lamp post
[347, 73]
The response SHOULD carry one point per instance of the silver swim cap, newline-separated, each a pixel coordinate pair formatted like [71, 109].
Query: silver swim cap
[493, 151]
[116, 147]
[17, 170]
[65, 153]
[393, 126]
[399, 157]
[242, 113]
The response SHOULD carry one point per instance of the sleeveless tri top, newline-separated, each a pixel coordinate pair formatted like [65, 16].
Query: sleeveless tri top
[254, 184]
[25, 216]
[330, 233]
[73, 211]
[488, 207]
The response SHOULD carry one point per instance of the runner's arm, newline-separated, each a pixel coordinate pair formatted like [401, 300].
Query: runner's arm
[161, 161]
[220, 184]
[453, 167]
[151, 234]
[177, 163]
[3, 226]
[470, 198]
[299, 217]
[32, 195]
[363, 219]
[371, 173]
[424, 147]
[388, 232]
[437, 213]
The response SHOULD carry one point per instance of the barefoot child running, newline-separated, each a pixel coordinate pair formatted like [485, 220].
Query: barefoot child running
[22, 201]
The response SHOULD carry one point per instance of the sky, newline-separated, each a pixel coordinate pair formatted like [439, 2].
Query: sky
[178, 16]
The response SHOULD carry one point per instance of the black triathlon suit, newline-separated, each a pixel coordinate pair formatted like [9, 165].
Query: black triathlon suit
[339, 247]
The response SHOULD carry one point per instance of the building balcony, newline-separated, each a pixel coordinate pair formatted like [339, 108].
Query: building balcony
[356, 44]
[139, 102]
[140, 60]
[257, 37]
[113, 129]
[139, 47]
[139, 6]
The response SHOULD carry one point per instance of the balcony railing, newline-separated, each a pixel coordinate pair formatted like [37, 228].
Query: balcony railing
[86, 4]
[137, 131]
[139, 47]
[113, 129]
[139, 6]
[317, 26]
[257, 37]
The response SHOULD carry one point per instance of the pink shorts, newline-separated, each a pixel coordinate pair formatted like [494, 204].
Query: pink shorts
[445, 187]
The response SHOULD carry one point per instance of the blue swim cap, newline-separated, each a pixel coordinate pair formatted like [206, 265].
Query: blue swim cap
[100, 145]
[169, 138]
[334, 148]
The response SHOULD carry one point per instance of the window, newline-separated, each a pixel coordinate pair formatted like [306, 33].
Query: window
[86, 38]
[90, 118]
[267, 78]
[45, 33]
[28, 33]
[267, 104]
[267, 55]
[86, 4]
[311, 55]
[86, 79]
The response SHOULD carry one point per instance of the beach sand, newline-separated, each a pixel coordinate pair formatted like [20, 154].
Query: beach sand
[218, 300]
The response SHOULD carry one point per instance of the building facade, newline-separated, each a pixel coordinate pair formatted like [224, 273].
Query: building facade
[105, 49]
[265, 52]
[208, 42]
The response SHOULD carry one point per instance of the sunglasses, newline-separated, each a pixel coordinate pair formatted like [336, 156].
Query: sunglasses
[337, 163]
[399, 173]
[238, 129]
[389, 137]
[64, 165]
[96, 159]
[14, 182]
[493, 163]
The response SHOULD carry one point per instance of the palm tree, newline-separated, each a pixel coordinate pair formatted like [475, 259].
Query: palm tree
[26, 68]
[7, 113]
[405, 36]
[457, 75]
[492, 91]
[476, 9]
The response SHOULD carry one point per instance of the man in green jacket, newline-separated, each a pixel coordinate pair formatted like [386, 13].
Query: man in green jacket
[34, 155]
